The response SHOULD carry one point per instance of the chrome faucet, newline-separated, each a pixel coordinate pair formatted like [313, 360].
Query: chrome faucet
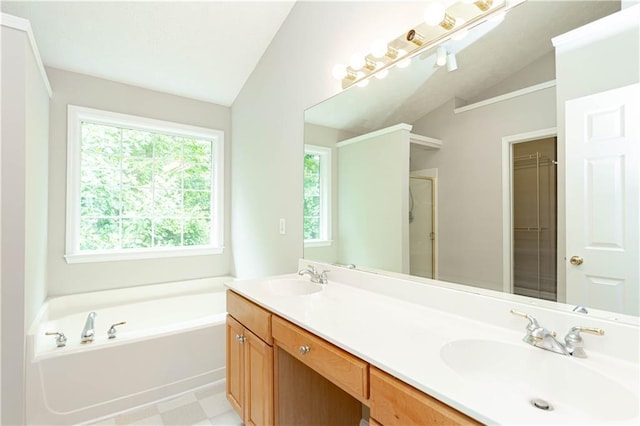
[319, 278]
[88, 331]
[540, 337]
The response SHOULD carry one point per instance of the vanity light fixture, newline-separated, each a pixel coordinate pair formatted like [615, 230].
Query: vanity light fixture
[439, 25]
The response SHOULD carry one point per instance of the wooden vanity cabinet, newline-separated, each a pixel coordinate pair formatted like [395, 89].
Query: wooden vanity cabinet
[395, 403]
[280, 373]
[249, 361]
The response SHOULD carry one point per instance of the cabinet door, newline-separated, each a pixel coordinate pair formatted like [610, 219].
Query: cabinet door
[258, 381]
[235, 364]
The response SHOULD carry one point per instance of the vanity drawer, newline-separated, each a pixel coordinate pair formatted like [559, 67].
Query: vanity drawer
[394, 402]
[252, 316]
[343, 369]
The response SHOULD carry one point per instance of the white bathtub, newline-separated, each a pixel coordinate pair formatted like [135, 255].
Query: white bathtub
[173, 342]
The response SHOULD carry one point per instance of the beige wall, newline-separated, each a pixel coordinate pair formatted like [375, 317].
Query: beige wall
[82, 90]
[470, 181]
[25, 110]
[293, 74]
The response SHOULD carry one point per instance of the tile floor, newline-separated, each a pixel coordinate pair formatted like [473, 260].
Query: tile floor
[207, 406]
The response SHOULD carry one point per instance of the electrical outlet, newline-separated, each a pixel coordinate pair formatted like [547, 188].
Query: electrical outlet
[283, 226]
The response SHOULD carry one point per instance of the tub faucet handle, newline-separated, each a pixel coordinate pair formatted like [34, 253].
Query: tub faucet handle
[61, 339]
[112, 330]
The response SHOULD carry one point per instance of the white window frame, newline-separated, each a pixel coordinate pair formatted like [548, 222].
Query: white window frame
[75, 116]
[325, 195]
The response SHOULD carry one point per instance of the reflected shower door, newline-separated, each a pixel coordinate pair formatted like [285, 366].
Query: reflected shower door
[421, 227]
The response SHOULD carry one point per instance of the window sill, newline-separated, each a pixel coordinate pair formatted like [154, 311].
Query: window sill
[111, 256]
[318, 243]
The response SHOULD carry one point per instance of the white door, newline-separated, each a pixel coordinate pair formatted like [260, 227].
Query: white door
[602, 192]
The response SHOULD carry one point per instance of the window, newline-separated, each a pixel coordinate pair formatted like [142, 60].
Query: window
[139, 188]
[317, 196]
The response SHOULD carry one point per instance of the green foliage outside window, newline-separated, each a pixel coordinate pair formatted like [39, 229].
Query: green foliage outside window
[311, 196]
[142, 189]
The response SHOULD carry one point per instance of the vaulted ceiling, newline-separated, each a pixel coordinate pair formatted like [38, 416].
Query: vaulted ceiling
[203, 50]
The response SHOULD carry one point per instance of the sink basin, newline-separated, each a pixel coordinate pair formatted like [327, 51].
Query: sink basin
[293, 287]
[521, 374]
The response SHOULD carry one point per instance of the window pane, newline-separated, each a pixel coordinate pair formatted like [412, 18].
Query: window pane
[197, 203]
[137, 171]
[198, 177]
[196, 232]
[100, 200]
[137, 143]
[167, 204]
[168, 232]
[311, 228]
[136, 233]
[137, 202]
[99, 234]
[197, 152]
[167, 147]
[99, 139]
[168, 175]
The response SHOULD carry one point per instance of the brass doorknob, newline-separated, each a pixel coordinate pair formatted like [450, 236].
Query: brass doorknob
[576, 260]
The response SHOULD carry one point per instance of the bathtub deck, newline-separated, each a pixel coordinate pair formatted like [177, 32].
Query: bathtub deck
[207, 406]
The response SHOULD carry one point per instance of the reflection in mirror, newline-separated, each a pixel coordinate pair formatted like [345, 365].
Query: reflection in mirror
[460, 175]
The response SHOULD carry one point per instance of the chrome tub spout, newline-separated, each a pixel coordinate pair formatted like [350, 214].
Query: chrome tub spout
[88, 331]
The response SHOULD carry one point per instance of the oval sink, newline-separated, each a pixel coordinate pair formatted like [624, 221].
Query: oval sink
[293, 287]
[528, 373]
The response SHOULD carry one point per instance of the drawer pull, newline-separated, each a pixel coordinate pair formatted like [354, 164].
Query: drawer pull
[304, 349]
[240, 338]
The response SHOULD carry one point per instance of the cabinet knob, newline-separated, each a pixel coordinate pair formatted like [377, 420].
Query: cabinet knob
[304, 349]
[240, 338]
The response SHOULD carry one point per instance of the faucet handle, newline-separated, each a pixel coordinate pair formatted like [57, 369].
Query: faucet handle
[533, 323]
[574, 343]
[574, 334]
[112, 330]
[61, 339]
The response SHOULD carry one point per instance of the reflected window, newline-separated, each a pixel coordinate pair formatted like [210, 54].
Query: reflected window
[317, 195]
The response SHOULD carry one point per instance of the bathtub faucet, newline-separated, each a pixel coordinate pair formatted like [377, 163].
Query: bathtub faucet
[87, 332]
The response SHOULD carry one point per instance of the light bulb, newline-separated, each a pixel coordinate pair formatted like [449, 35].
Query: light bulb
[362, 83]
[434, 13]
[339, 71]
[378, 48]
[441, 56]
[382, 74]
[405, 62]
[357, 61]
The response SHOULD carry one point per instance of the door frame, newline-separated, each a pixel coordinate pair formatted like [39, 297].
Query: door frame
[507, 199]
[431, 174]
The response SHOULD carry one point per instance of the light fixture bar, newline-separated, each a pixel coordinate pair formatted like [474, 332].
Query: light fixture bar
[419, 39]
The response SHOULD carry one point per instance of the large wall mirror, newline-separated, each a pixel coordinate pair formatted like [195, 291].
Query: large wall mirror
[457, 172]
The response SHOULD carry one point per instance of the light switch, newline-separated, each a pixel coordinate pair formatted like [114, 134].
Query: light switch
[283, 226]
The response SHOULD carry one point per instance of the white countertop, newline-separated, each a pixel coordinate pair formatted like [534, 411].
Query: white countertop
[405, 339]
